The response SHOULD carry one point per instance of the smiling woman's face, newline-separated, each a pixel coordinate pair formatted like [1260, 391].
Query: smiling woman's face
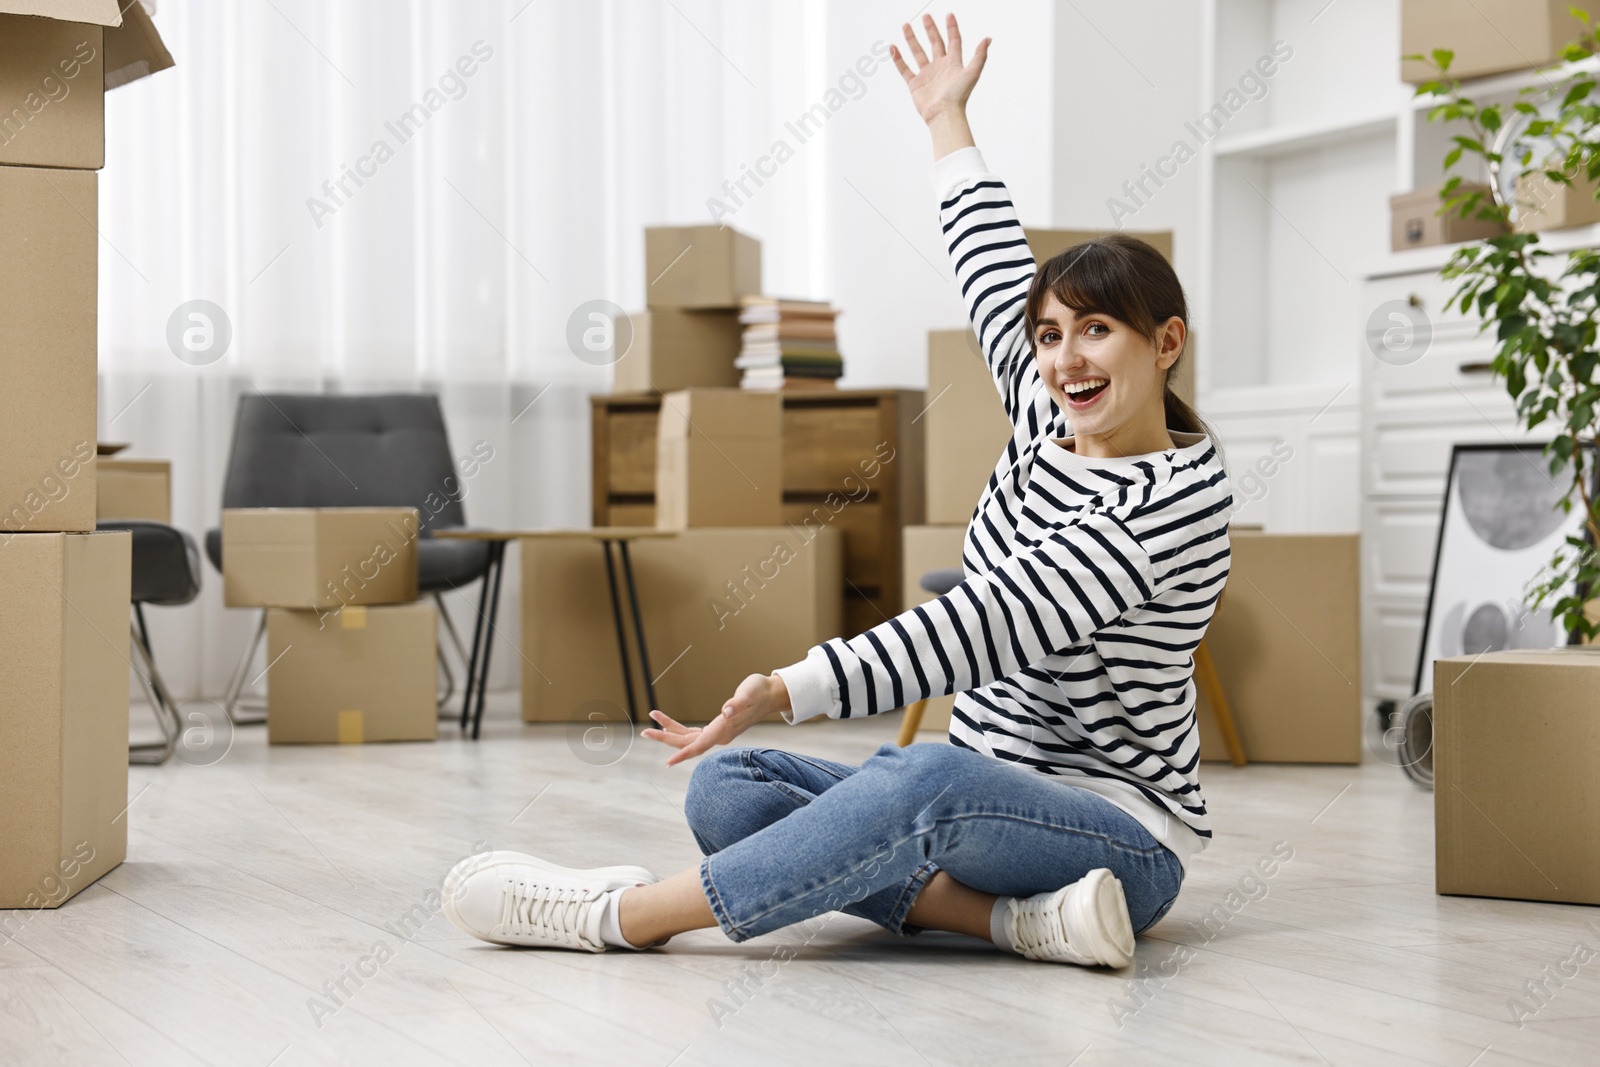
[1102, 372]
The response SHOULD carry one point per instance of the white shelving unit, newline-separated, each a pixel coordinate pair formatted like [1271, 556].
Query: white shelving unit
[1295, 259]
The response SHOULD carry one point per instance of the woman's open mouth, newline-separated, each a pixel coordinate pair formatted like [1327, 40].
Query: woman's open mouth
[1081, 395]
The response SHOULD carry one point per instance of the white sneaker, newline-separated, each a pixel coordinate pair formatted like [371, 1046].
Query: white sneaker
[511, 898]
[1085, 923]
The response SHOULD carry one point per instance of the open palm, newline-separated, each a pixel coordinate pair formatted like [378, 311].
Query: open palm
[941, 81]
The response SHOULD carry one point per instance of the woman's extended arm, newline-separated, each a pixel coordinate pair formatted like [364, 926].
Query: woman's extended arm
[993, 264]
[1077, 581]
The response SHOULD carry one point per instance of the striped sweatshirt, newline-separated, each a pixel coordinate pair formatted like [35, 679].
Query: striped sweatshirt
[1088, 582]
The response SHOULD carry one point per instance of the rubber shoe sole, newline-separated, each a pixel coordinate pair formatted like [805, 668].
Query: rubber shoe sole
[1100, 919]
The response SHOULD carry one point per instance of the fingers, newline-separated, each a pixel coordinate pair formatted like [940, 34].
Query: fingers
[694, 748]
[675, 733]
[980, 56]
[952, 33]
[935, 42]
[916, 46]
[900, 64]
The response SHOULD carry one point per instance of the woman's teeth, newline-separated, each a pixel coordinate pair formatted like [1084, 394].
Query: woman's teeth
[1086, 390]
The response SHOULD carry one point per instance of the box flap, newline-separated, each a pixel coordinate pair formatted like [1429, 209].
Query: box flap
[134, 49]
[98, 12]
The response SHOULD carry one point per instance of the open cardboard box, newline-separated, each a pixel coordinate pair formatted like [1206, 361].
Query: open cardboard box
[133, 489]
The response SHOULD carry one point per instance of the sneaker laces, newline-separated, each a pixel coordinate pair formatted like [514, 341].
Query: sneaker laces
[1039, 930]
[550, 913]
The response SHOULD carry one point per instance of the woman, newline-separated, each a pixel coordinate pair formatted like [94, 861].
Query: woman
[1059, 819]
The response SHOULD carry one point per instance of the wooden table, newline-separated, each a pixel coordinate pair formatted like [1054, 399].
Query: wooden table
[489, 605]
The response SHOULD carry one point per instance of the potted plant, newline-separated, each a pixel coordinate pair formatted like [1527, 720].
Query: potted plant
[1544, 319]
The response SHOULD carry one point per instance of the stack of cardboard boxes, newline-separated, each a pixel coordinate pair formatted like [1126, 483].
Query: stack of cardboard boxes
[689, 334]
[352, 654]
[64, 589]
[966, 431]
[735, 591]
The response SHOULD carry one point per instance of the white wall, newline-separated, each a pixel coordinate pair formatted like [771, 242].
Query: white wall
[1127, 78]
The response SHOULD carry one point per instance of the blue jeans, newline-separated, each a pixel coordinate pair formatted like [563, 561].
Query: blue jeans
[788, 837]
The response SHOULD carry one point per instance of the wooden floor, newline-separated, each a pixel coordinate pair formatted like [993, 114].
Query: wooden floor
[253, 884]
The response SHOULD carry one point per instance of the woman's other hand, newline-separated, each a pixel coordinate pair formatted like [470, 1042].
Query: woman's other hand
[757, 697]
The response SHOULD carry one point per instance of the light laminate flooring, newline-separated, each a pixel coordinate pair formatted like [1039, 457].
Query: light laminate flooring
[253, 885]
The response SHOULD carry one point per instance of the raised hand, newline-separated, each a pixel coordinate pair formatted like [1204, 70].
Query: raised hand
[941, 82]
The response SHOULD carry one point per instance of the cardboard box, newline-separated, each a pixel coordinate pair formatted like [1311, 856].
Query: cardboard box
[719, 459]
[318, 558]
[930, 548]
[1415, 222]
[57, 59]
[365, 674]
[677, 349]
[63, 714]
[1286, 642]
[1487, 36]
[134, 489]
[700, 266]
[1044, 244]
[965, 426]
[718, 605]
[1515, 736]
[48, 349]
[1543, 204]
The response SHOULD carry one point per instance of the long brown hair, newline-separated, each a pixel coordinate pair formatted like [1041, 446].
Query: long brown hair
[1121, 276]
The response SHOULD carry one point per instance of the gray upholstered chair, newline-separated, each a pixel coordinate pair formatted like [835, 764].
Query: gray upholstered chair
[166, 572]
[390, 450]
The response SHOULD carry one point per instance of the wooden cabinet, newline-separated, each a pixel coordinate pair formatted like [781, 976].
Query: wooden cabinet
[852, 459]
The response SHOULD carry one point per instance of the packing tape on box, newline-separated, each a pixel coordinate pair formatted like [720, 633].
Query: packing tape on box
[351, 726]
[353, 617]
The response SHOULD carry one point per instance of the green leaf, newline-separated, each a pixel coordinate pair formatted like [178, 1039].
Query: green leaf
[1442, 58]
[1579, 14]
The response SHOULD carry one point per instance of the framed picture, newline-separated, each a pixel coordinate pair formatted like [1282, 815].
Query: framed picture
[1501, 525]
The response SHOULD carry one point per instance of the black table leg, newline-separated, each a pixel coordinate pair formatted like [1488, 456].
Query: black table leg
[622, 633]
[638, 623]
[497, 558]
[478, 625]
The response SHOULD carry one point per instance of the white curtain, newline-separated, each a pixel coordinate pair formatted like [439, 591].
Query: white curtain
[509, 154]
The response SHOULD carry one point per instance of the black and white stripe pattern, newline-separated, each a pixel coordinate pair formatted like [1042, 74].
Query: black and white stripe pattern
[1089, 582]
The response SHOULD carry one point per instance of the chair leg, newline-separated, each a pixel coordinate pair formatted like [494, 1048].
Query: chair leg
[1205, 673]
[161, 704]
[230, 702]
[444, 662]
[912, 720]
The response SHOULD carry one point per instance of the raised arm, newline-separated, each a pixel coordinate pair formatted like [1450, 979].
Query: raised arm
[993, 264]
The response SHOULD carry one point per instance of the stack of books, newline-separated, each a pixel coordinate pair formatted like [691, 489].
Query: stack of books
[788, 344]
